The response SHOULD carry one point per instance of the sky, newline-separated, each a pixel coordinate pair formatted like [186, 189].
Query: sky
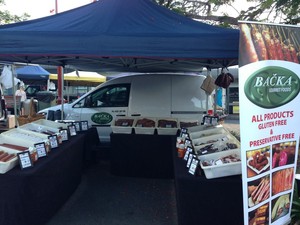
[42, 8]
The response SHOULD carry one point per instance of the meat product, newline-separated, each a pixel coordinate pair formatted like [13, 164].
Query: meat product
[167, 123]
[145, 123]
[283, 158]
[249, 54]
[124, 122]
[259, 43]
[16, 147]
[3, 155]
[8, 158]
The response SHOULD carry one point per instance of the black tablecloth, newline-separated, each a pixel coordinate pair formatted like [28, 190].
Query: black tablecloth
[207, 201]
[142, 155]
[33, 195]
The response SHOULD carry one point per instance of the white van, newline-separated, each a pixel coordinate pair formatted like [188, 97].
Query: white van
[140, 95]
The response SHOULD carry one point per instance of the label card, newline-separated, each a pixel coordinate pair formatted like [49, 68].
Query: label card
[189, 161]
[25, 159]
[53, 141]
[64, 134]
[41, 149]
[84, 125]
[72, 130]
[194, 165]
[77, 125]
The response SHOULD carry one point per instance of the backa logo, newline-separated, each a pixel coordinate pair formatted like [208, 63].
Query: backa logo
[101, 118]
[272, 87]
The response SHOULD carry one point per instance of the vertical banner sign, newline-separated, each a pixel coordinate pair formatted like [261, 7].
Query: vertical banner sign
[269, 98]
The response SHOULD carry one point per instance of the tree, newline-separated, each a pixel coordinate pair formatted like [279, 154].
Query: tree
[282, 11]
[6, 17]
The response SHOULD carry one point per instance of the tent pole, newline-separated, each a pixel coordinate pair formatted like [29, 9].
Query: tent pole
[60, 82]
[13, 71]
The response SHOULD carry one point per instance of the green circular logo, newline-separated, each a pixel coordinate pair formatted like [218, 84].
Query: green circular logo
[102, 118]
[272, 87]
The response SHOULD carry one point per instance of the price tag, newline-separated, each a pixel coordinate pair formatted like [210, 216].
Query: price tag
[72, 130]
[64, 134]
[193, 166]
[84, 125]
[189, 160]
[77, 126]
[53, 141]
[41, 149]
[186, 155]
[25, 159]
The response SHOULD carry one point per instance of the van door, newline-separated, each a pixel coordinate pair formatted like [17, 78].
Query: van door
[150, 96]
[102, 106]
[188, 99]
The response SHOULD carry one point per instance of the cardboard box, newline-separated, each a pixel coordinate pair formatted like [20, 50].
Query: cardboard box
[11, 121]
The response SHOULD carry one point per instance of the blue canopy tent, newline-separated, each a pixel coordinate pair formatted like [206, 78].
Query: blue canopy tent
[32, 73]
[120, 36]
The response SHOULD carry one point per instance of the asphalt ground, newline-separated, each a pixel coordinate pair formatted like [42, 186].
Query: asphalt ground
[105, 199]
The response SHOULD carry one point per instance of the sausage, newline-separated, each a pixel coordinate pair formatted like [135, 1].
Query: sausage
[249, 55]
[259, 43]
[8, 157]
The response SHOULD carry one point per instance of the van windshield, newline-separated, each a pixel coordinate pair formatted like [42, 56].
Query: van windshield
[109, 96]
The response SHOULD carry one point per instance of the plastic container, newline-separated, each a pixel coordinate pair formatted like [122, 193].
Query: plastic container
[223, 170]
[123, 125]
[6, 166]
[167, 129]
[144, 129]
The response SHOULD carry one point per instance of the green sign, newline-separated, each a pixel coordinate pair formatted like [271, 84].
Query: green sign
[102, 118]
[272, 87]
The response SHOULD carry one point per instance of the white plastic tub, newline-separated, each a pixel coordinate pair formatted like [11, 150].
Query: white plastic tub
[223, 170]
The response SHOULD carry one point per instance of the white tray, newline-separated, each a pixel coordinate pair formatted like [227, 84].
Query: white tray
[167, 130]
[50, 123]
[122, 129]
[6, 166]
[223, 170]
[145, 130]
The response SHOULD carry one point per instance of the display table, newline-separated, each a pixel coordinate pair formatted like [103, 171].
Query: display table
[33, 195]
[206, 201]
[142, 155]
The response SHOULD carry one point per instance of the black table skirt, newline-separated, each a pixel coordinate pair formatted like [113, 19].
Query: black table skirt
[33, 195]
[142, 155]
[207, 201]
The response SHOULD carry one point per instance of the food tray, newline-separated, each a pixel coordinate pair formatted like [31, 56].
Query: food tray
[145, 130]
[223, 170]
[40, 128]
[207, 132]
[188, 123]
[6, 166]
[23, 134]
[125, 128]
[50, 123]
[224, 143]
[167, 130]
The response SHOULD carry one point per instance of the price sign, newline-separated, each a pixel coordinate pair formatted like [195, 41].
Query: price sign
[41, 149]
[53, 141]
[84, 125]
[189, 160]
[72, 130]
[64, 134]
[193, 166]
[77, 126]
[25, 160]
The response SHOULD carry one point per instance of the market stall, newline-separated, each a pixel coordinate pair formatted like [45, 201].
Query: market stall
[34, 194]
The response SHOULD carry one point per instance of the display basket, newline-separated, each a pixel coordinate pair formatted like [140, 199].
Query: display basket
[167, 126]
[145, 129]
[32, 116]
[10, 164]
[222, 170]
[123, 125]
